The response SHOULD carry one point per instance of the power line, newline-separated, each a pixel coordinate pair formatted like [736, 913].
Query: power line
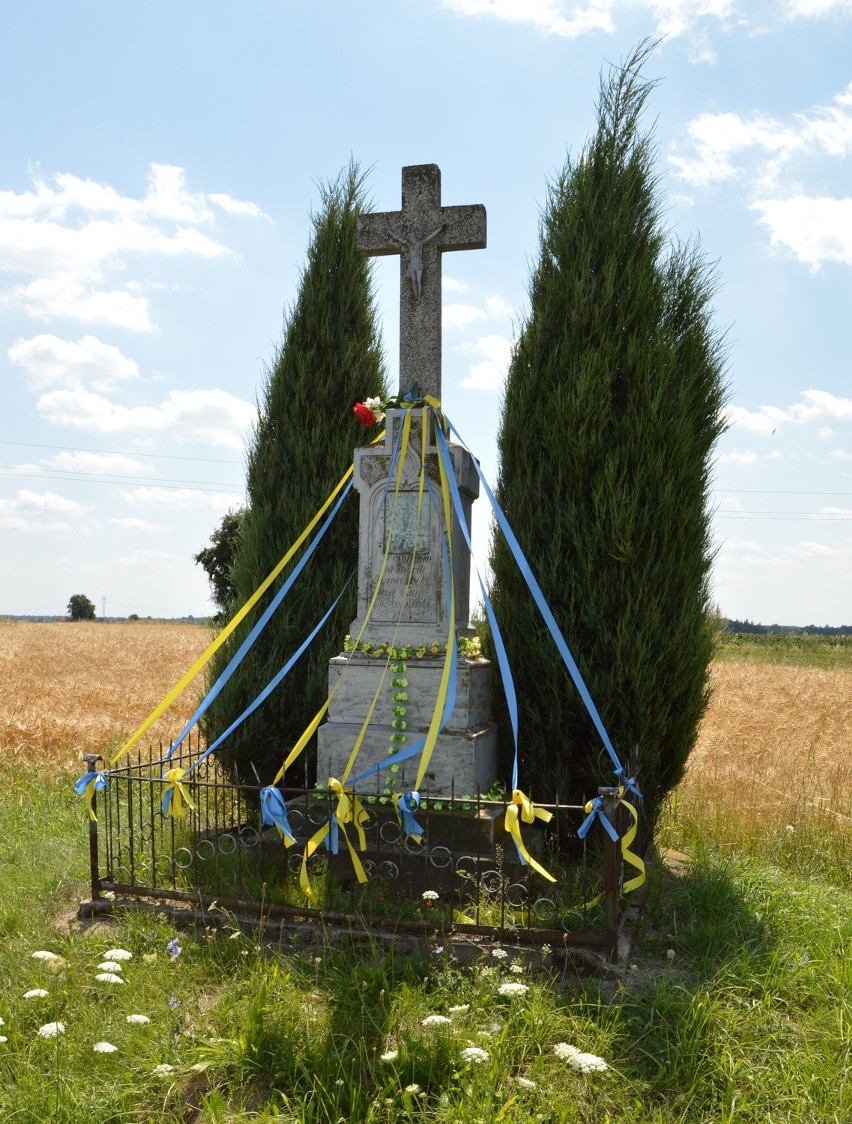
[117, 452]
[72, 476]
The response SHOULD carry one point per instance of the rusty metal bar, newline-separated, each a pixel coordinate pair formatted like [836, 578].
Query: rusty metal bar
[90, 759]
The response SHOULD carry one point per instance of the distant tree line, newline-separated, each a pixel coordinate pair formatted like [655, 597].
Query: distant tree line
[787, 629]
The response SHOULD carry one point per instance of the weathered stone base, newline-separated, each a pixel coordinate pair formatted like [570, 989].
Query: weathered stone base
[464, 760]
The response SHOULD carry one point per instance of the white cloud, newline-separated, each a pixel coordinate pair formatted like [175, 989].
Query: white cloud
[816, 229]
[746, 457]
[175, 499]
[146, 560]
[51, 361]
[68, 299]
[816, 9]
[210, 416]
[460, 315]
[499, 306]
[816, 406]
[494, 353]
[841, 455]
[453, 285]
[34, 526]
[69, 233]
[102, 464]
[41, 503]
[759, 150]
[131, 524]
[546, 15]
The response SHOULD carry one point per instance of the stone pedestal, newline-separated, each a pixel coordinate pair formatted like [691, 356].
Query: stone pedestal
[411, 608]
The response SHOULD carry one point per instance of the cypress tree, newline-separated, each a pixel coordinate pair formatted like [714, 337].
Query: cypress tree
[329, 358]
[610, 414]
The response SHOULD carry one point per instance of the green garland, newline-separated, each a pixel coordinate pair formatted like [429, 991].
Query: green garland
[469, 647]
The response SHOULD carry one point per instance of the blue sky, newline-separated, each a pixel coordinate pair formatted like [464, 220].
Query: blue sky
[158, 167]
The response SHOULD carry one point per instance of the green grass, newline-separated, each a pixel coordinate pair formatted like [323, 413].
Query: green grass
[797, 649]
[735, 1007]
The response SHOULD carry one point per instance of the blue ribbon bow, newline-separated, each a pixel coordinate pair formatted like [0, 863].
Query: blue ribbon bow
[273, 811]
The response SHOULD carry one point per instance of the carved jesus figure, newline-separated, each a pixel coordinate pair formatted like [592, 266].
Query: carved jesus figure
[415, 255]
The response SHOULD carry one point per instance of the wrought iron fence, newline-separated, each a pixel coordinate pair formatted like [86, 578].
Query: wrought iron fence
[465, 875]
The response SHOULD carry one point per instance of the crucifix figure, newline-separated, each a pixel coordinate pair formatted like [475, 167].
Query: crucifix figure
[420, 233]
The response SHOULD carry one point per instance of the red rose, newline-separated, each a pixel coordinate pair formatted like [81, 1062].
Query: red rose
[364, 414]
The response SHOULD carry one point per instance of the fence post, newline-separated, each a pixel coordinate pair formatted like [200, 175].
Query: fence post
[90, 759]
[612, 858]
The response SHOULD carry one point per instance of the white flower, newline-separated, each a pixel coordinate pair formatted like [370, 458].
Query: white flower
[412, 1088]
[1, 1022]
[3, 1038]
[582, 1062]
[429, 895]
[50, 1030]
[43, 955]
[137, 1020]
[36, 993]
[516, 968]
[524, 1083]
[164, 1067]
[375, 404]
[670, 954]
[109, 977]
[104, 1048]
[435, 1020]
[462, 1009]
[109, 966]
[389, 1056]
[499, 953]
[118, 954]
[475, 1054]
[512, 989]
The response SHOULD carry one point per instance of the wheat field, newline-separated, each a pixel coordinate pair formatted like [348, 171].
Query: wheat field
[774, 745]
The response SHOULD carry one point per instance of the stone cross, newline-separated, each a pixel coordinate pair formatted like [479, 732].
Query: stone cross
[420, 233]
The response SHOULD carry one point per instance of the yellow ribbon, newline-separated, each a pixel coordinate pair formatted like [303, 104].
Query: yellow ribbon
[628, 856]
[235, 621]
[349, 810]
[523, 809]
[179, 794]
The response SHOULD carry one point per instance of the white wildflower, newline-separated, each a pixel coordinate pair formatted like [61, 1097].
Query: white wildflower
[429, 896]
[1, 1022]
[461, 1009]
[475, 1054]
[164, 1067]
[108, 894]
[524, 1083]
[389, 1056]
[412, 1088]
[3, 1038]
[577, 1059]
[42, 954]
[50, 1030]
[118, 954]
[36, 993]
[137, 1020]
[435, 1020]
[670, 954]
[109, 977]
[104, 1048]
[109, 966]
[516, 968]
[149, 958]
[499, 953]
[512, 989]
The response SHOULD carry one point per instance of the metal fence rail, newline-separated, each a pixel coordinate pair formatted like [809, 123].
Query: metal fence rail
[220, 852]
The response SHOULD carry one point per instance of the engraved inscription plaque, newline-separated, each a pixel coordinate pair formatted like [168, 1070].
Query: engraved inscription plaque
[407, 528]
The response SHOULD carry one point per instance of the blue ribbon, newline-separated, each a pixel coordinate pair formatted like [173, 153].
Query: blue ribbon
[273, 811]
[406, 805]
[272, 684]
[597, 813]
[547, 615]
[99, 778]
[331, 840]
[260, 625]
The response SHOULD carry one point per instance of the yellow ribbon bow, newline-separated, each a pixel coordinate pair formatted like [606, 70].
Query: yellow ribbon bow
[175, 797]
[523, 809]
[349, 810]
[627, 855]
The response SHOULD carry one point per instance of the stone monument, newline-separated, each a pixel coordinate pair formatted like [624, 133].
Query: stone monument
[412, 605]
